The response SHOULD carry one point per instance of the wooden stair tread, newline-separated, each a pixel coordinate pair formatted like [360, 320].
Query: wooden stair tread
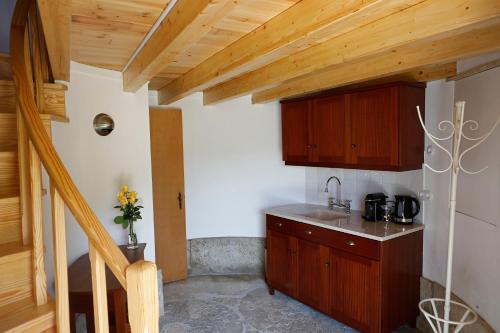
[7, 96]
[22, 304]
[7, 153]
[15, 270]
[8, 147]
[13, 251]
[28, 317]
[5, 67]
[8, 131]
[54, 96]
[10, 220]
[9, 174]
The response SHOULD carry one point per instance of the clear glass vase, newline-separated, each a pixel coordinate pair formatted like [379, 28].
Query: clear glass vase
[132, 237]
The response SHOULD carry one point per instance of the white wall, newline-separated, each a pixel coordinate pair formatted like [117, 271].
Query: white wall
[357, 183]
[476, 273]
[233, 167]
[99, 165]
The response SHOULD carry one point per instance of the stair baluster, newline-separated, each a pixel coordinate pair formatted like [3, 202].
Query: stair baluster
[60, 261]
[31, 72]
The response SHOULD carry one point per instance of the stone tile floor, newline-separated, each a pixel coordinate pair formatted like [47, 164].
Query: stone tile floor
[234, 304]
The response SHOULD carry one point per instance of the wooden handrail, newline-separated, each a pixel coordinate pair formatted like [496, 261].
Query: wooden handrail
[60, 178]
[138, 279]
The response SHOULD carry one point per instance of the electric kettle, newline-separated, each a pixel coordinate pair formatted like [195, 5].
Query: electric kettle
[405, 209]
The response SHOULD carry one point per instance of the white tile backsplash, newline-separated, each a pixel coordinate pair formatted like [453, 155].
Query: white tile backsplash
[357, 183]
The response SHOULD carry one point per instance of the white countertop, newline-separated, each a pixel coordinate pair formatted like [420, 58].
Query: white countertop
[352, 224]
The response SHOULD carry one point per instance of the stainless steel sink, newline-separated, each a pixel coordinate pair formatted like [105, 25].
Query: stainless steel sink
[325, 215]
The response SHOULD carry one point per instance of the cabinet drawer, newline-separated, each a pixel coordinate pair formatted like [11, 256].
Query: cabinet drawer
[279, 224]
[357, 245]
[339, 240]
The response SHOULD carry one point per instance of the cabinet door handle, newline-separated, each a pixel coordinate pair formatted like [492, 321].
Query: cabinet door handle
[353, 146]
[309, 232]
[327, 264]
[350, 243]
[279, 224]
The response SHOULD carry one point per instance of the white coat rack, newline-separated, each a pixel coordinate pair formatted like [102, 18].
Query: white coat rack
[437, 311]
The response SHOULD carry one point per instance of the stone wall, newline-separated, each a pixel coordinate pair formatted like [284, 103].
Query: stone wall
[226, 256]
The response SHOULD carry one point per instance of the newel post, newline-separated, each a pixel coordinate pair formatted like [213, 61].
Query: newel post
[142, 297]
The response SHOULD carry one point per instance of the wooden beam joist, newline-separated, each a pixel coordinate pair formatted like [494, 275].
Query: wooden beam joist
[56, 22]
[424, 20]
[395, 61]
[305, 24]
[183, 26]
[420, 74]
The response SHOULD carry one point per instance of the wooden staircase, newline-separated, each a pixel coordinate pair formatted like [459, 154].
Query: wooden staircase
[18, 311]
[29, 100]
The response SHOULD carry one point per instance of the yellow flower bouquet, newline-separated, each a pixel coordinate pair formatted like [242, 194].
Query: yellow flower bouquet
[131, 212]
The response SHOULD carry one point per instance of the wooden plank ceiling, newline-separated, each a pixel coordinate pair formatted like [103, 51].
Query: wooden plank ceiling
[105, 33]
[277, 49]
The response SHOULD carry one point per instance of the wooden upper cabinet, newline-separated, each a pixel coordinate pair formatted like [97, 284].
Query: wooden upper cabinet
[374, 128]
[370, 128]
[295, 131]
[329, 133]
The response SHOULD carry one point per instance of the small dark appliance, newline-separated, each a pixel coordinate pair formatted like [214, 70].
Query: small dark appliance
[406, 208]
[373, 206]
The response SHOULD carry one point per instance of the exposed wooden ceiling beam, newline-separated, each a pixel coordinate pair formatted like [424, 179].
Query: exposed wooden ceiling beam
[56, 22]
[420, 74]
[181, 28]
[397, 60]
[307, 23]
[418, 22]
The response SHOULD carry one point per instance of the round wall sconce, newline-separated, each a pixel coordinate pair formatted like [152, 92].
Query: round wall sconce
[103, 124]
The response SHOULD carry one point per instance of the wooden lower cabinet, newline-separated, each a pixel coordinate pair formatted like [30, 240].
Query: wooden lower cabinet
[313, 277]
[355, 299]
[282, 265]
[373, 288]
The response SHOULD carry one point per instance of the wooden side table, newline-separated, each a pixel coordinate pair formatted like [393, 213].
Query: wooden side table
[80, 292]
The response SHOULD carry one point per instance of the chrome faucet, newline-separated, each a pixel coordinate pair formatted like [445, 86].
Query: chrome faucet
[332, 203]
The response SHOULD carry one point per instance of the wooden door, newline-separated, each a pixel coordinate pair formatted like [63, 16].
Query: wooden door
[167, 163]
[374, 128]
[355, 291]
[282, 262]
[295, 127]
[330, 133]
[313, 285]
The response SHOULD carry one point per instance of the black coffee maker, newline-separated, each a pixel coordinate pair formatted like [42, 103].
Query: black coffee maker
[406, 208]
[373, 206]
